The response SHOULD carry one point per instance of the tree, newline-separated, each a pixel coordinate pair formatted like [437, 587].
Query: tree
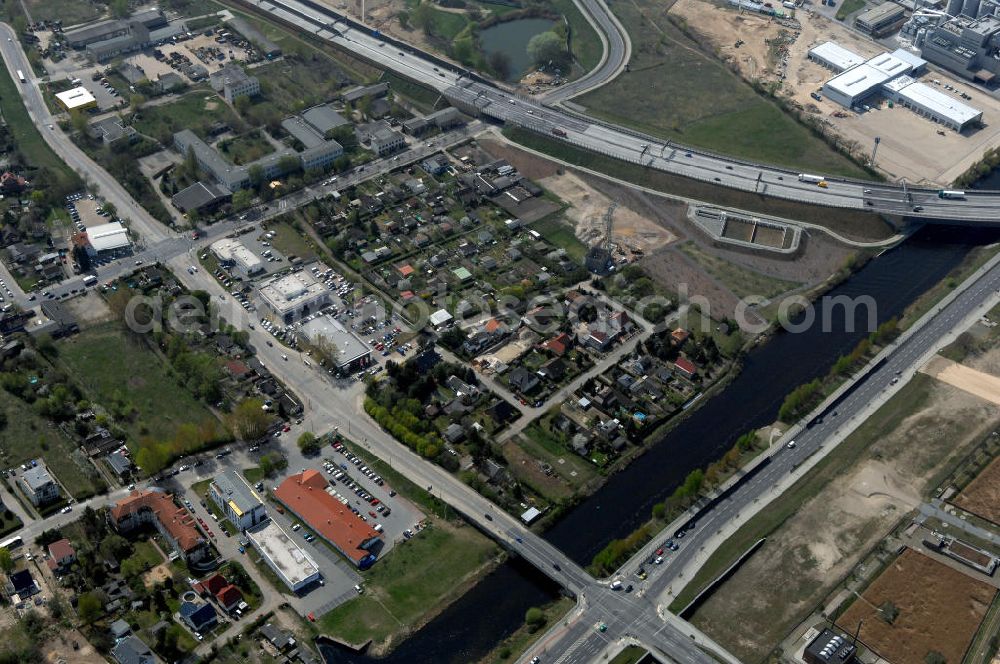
[119, 8]
[249, 420]
[889, 612]
[308, 444]
[256, 175]
[934, 657]
[242, 104]
[534, 618]
[89, 607]
[79, 122]
[6, 561]
[545, 48]
[242, 199]
[499, 62]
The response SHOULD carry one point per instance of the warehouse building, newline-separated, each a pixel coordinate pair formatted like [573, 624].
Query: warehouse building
[240, 503]
[293, 296]
[881, 20]
[233, 254]
[292, 565]
[305, 495]
[889, 75]
[352, 353]
[108, 241]
[931, 103]
[76, 99]
[834, 56]
[201, 197]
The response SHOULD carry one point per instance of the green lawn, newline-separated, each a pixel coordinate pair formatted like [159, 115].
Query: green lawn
[680, 92]
[741, 281]
[196, 110]
[114, 368]
[145, 555]
[584, 42]
[630, 655]
[848, 7]
[418, 576]
[29, 436]
[542, 445]
[246, 148]
[70, 13]
[29, 142]
[559, 232]
[447, 25]
[290, 242]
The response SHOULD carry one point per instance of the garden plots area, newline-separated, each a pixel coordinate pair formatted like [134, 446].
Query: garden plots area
[819, 531]
[680, 91]
[441, 411]
[918, 607]
[982, 496]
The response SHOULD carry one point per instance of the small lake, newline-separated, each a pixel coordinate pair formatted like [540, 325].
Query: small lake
[511, 38]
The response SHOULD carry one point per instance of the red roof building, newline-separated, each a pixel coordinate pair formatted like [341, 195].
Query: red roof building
[304, 494]
[679, 336]
[212, 585]
[686, 367]
[406, 270]
[229, 597]
[558, 344]
[155, 506]
[62, 553]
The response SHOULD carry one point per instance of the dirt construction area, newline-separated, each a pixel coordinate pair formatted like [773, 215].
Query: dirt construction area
[910, 147]
[939, 609]
[867, 485]
[982, 496]
[588, 207]
[981, 384]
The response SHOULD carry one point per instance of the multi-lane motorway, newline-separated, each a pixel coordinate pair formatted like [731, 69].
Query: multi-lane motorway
[476, 95]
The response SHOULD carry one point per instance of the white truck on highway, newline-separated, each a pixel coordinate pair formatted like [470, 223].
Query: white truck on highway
[812, 179]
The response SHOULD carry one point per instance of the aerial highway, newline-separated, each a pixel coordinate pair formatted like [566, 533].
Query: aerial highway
[476, 95]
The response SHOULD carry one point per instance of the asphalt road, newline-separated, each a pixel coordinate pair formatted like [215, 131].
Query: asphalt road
[492, 101]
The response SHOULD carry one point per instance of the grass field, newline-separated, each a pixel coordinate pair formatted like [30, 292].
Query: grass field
[857, 225]
[584, 42]
[196, 110]
[630, 655]
[739, 280]
[557, 230]
[290, 242]
[418, 577]
[848, 7]
[70, 13]
[28, 436]
[29, 142]
[541, 445]
[678, 91]
[905, 402]
[424, 98]
[113, 368]
[246, 148]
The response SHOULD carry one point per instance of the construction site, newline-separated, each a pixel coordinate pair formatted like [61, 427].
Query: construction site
[911, 142]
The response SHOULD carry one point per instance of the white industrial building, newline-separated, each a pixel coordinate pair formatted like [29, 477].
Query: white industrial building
[108, 240]
[889, 75]
[294, 295]
[292, 565]
[76, 99]
[834, 56]
[352, 353]
[234, 254]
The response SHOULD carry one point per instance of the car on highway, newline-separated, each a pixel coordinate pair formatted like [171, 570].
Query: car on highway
[791, 444]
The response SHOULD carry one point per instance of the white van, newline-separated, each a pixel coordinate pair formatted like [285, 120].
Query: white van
[377, 528]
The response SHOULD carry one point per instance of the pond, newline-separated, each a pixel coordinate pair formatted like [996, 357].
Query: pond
[511, 38]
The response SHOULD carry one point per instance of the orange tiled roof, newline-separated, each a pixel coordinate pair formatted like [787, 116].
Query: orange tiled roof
[305, 495]
[177, 521]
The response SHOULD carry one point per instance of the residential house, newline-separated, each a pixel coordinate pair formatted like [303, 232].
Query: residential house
[133, 650]
[686, 367]
[200, 618]
[175, 524]
[62, 553]
[39, 486]
[22, 584]
[522, 380]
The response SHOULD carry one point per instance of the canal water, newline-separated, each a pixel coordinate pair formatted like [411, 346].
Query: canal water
[496, 606]
[511, 38]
